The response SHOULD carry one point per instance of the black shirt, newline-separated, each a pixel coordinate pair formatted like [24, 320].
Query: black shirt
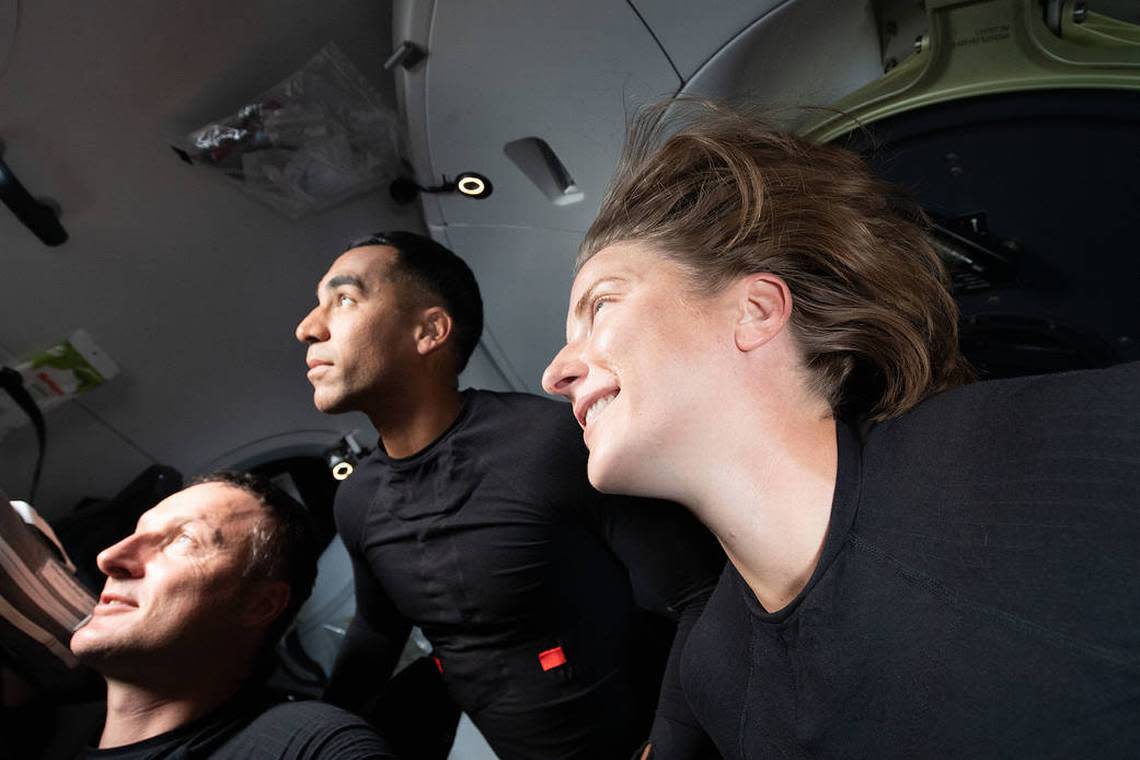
[978, 593]
[260, 730]
[493, 542]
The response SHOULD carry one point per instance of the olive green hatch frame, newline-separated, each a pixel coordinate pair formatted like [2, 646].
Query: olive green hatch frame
[983, 47]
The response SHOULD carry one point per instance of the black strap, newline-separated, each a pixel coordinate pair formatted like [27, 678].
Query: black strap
[13, 382]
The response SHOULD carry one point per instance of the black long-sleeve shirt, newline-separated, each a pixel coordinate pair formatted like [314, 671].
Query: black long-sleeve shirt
[255, 727]
[493, 542]
[978, 593]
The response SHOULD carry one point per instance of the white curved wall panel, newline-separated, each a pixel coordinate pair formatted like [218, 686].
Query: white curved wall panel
[498, 72]
[692, 32]
[524, 274]
[802, 53]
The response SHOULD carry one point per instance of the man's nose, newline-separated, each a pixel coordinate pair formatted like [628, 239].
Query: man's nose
[312, 328]
[125, 559]
[564, 371]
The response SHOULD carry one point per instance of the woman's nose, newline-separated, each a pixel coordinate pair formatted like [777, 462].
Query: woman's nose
[564, 371]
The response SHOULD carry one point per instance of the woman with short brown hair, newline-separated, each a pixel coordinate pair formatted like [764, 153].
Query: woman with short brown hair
[760, 331]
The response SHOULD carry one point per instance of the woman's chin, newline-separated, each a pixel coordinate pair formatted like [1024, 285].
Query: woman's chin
[610, 474]
[601, 473]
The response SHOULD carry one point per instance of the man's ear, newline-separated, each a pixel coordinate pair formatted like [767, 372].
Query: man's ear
[264, 603]
[432, 330]
[764, 305]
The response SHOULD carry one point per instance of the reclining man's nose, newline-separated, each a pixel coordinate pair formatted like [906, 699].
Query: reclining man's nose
[121, 559]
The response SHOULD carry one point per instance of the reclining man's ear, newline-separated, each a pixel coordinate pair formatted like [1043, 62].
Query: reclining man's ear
[265, 603]
[433, 330]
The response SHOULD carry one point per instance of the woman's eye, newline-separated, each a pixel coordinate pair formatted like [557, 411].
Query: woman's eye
[598, 304]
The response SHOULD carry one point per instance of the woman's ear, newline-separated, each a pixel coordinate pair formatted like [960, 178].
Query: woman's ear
[764, 305]
[433, 330]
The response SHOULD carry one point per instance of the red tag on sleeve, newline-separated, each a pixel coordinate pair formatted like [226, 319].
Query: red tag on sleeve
[438, 664]
[552, 658]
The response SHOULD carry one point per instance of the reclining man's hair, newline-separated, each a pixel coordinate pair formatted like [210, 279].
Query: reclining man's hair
[283, 545]
[437, 273]
[724, 195]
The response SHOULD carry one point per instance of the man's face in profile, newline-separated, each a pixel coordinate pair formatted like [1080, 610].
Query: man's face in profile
[360, 340]
[175, 586]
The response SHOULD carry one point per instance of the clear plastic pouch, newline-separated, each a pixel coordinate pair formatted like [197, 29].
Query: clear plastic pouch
[317, 138]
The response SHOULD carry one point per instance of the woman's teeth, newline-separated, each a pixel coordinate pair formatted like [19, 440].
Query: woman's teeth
[599, 405]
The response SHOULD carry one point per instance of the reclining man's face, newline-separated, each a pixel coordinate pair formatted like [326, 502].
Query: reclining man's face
[175, 586]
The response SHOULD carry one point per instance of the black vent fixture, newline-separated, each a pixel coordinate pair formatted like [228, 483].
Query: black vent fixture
[40, 216]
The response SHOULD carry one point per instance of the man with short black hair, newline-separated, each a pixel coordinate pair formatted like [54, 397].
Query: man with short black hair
[194, 602]
[474, 520]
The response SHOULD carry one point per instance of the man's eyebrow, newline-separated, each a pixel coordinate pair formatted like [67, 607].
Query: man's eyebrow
[346, 279]
[585, 299]
[210, 530]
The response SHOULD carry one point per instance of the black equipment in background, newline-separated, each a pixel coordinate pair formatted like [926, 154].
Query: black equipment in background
[1033, 199]
[95, 524]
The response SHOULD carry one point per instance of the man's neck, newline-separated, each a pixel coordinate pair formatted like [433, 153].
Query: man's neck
[422, 418]
[136, 713]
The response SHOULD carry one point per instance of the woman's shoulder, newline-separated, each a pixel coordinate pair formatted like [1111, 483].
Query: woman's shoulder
[1007, 450]
[1101, 403]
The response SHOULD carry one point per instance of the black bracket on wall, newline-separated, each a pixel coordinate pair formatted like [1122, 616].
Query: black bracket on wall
[39, 216]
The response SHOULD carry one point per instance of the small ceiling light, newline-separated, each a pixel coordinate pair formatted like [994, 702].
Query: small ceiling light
[343, 457]
[471, 184]
[340, 467]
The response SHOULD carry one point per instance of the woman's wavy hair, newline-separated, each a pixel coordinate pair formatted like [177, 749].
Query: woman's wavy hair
[725, 195]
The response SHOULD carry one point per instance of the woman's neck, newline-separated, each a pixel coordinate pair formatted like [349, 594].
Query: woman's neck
[769, 500]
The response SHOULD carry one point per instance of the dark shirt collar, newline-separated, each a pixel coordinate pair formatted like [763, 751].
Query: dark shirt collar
[468, 402]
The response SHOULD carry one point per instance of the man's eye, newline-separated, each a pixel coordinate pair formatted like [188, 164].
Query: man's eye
[343, 300]
[182, 541]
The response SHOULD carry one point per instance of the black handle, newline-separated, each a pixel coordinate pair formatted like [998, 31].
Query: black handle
[38, 217]
[13, 382]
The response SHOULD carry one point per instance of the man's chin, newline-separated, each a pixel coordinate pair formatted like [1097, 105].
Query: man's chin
[88, 648]
[329, 404]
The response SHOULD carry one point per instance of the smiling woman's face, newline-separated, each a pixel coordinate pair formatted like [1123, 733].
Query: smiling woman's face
[636, 365]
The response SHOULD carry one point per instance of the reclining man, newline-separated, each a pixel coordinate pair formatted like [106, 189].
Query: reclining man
[474, 520]
[194, 602]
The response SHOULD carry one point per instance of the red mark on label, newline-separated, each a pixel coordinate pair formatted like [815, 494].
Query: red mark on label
[552, 658]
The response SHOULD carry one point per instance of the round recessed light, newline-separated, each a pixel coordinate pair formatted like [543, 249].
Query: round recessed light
[473, 185]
